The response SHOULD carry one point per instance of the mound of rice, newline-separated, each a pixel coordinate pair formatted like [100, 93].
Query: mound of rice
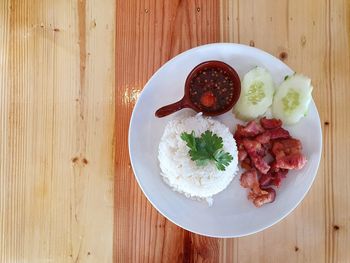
[180, 172]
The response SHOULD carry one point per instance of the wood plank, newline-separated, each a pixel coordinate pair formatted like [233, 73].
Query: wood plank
[339, 125]
[297, 32]
[148, 34]
[57, 120]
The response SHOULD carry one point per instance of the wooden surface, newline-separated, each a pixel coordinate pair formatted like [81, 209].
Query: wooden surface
[57, 116]
[70, 73]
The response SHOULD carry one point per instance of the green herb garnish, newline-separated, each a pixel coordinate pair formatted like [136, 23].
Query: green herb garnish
[207, 147]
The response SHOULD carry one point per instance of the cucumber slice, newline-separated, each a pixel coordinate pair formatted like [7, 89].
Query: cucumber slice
[256, 94]
[292, 99]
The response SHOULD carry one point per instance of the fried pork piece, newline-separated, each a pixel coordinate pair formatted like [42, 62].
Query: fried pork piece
[242, 153]
[249, 179]
[288, 154]
[256, 153]
[263, 138]
[252, 129]
[266, 196]
[246, 164]
[273, 134]
[291, 162]
[270, 123]
[253, 146]
[273, 177]
[286, 147]
[278, 133]
[265, 179]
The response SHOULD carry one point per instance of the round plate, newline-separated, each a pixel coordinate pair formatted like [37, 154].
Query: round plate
[231, 215]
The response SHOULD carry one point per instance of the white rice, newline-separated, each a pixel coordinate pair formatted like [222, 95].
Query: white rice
[180, 172]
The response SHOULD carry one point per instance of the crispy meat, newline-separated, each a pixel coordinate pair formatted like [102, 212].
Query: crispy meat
[288, 154]
[265, 179]
[246, 164]
[273, 134]
[270, 123]
[286, 147]
[249, 179]
[257, 140]
[252, 129]
[278, 133]
[272, 178]
[256, 153]
[242, 154]
[292, 161]
[268, 196]
[263, 138]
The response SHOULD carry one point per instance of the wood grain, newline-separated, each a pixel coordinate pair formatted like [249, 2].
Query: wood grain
[148, 33]
[313, 38]
[339, 126]
[56, 134]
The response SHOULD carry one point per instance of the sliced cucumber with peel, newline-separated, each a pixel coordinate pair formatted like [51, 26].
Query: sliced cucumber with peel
[256, 94]
[292, 99]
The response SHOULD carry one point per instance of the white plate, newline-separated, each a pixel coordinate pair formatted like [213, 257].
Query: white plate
[231, 215]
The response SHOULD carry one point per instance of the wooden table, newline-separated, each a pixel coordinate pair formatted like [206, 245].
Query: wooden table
[71, 72]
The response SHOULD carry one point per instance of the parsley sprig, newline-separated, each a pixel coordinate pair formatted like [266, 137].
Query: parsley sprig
[207, 147]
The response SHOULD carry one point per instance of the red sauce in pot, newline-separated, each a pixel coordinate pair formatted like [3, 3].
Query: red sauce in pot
[212, 89]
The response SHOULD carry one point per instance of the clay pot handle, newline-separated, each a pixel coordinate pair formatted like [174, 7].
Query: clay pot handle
[169, 109]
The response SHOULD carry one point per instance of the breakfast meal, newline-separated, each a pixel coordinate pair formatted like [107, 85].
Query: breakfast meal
[199, 156]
